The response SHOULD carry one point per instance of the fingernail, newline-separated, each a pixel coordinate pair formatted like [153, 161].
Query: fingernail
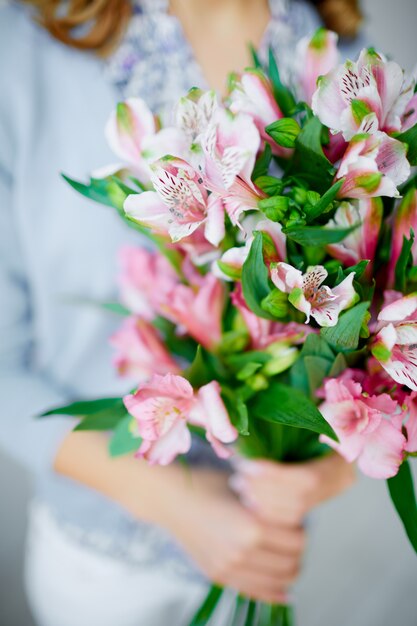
[237, 483]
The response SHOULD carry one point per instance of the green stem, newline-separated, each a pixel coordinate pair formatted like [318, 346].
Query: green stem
[206, 610]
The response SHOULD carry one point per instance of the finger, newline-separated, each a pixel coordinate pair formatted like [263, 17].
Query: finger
[286, 540]
[280, 566]
[259, 587]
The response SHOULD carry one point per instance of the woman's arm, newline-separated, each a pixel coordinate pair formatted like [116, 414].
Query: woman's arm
[230, 545]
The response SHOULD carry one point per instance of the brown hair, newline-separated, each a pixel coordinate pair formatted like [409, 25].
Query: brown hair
[105, 20]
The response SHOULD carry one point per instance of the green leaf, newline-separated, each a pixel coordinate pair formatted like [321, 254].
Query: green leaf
[240, 611]
[276, 303]
[283, 95]
[317, 235]
[107, 419]
[285, 405]
[338, 367]
[317, 370]
[248, 370]
[115, 307]
[200, 372]
[236, 408]
[108, 191]
[239, 361]
[315, 345]
[345, 335]
[85, 407]
[255, 283]
[359, 270]
[262, 163]
[123, 441]
[182, 346]
[203, 614]
[284, 131]
[315, 210]
[410, 138]
[255, 57]
[309, 162]
[403, 261]
[402, 494]
[234, 341]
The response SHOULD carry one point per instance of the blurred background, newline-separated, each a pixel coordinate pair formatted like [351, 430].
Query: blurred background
[357, 549]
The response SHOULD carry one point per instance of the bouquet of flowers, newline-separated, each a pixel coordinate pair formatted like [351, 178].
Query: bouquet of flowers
[275, 313]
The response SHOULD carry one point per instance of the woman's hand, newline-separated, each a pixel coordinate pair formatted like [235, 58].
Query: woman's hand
[232, 546]
[283, 493]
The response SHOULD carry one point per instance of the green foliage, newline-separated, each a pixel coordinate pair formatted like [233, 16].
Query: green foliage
[309, 162]
[204, 613]
[102, 190]
[178, 345]
[315, 363]
[115, 307]
[402, 494]
[345, 335]
[107, 419]
[286, 405]
[282, 94]
[404, 260]
[262, 163]
[255, 282]
[276, 303]
[315, 209]
[85, 407]
[123, 440]
[318, 235]
[410, 138]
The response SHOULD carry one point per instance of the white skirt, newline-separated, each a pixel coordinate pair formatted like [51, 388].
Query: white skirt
[69, 584]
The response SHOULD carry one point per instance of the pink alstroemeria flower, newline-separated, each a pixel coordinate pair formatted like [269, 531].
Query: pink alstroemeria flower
[368, 427]
[210, 413]
[372, 166]
[315, 56]
[133, 135]
[162, 408]
[179, 204]
[230, 145]
[146, 278]
[362, 242]
[129, 124]
[253, 95]
[410, 404]
[229, 266]
[395, 345]
[263, 332]
[242, 196]
[198, 309]
[368, 95]
[405, 219]
[140, 351]
[409, 117]
[308, 295]
[195, 111]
